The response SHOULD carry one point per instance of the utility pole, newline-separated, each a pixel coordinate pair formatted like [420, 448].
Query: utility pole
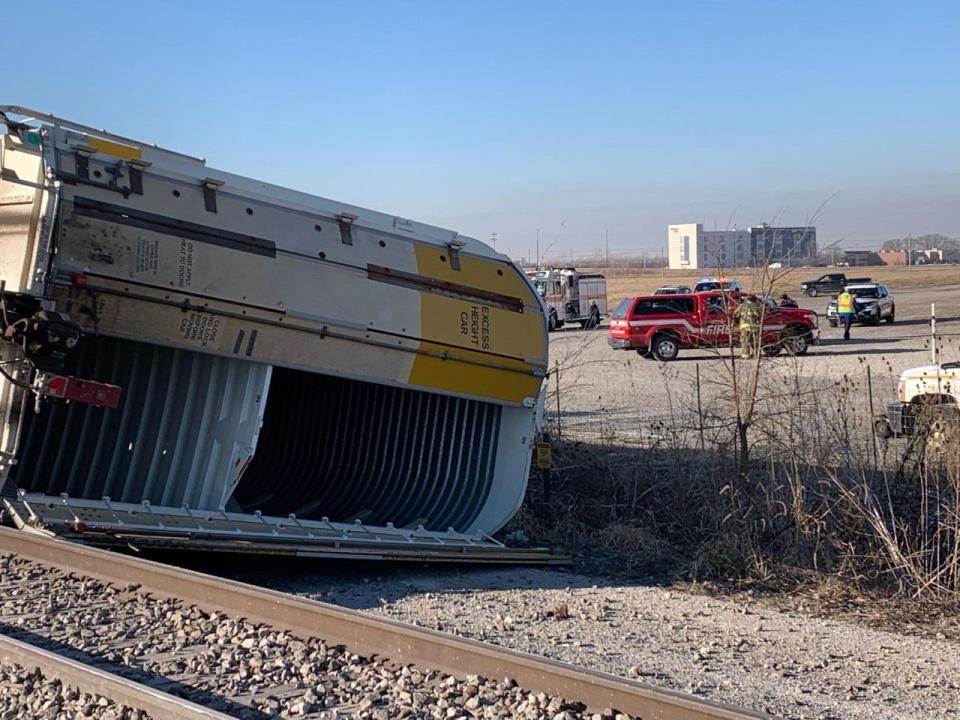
[538, 248]
[493, 239]
[606, 246]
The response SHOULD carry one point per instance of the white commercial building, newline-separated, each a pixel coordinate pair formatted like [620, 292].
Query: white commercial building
[690, 247]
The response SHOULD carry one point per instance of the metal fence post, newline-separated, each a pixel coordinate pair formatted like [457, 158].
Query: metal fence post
[556, 373]
[703, 445]
[544, 459]
[873, 415]
[933, 334]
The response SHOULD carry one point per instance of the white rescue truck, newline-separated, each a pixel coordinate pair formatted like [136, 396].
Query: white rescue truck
[928, 402]
[572, 296]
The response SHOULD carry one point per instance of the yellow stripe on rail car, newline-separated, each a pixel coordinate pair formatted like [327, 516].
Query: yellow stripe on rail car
[124, 152]
[473, 330]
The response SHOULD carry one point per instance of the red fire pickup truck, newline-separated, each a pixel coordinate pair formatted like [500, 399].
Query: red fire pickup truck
[658, 326]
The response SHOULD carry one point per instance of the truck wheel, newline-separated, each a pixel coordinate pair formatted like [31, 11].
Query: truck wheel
[833, 323]
[796, 343]
[592, 321]
[665, 348]
[552, 323]
[812, 292]
[893, 312]
[881, 426]
[941, 430]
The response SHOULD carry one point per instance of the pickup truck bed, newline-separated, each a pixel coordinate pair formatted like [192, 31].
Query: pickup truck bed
[829, 283]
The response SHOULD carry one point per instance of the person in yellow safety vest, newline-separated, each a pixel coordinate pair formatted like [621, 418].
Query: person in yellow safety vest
[750, 314]
[846, 311]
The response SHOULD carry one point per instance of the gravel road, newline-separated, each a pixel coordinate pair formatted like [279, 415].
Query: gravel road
[26, 693]
[241, 669]
[741, 653]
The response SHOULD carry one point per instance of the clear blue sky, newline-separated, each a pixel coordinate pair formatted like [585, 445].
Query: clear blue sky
[571, 117]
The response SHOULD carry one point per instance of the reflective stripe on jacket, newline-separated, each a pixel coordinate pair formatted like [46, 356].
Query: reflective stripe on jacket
[845, 304]
[749, 315]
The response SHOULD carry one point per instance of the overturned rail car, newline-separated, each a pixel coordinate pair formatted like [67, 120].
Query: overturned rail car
[194, 358]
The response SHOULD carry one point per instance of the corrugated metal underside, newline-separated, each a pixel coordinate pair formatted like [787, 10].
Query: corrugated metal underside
[185, 425]
[355, 450]
[329, 447]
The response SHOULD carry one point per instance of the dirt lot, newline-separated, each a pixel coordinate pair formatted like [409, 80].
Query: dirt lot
[622, 282]
[603, 390]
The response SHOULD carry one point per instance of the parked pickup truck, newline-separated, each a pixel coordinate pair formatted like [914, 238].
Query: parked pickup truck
[659, 326]
[829, 283]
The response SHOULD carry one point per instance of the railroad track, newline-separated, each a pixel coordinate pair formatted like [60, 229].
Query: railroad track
[254, 653]
[68, 680]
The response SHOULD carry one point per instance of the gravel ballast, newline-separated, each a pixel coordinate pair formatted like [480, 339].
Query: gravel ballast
[27, 693]
[241, 669]
[736, 652]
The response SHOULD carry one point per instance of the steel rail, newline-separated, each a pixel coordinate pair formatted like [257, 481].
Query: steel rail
[460, 554]
[369, 636]
[90, 679]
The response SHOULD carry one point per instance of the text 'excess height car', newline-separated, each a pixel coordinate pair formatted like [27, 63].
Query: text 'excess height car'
[872, 303]
[659, 326]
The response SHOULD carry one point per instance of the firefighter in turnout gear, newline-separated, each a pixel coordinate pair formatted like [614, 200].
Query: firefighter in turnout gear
[846, 310]
[750, 315]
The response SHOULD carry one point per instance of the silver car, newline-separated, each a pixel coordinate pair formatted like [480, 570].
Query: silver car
[673, 290]
[871, 301]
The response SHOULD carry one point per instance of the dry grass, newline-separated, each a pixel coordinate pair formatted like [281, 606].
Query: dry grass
[819, 494]
[625, 282]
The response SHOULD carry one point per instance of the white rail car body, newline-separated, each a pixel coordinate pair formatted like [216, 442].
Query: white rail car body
[285, 360]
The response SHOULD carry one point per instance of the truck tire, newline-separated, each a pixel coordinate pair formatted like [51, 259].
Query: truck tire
[644, 353]
[940, 425]
[812, 292]
[882, 429]
[833, 323]
[892, 315]
[665, 348]
[796, 341]
[552, 323]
